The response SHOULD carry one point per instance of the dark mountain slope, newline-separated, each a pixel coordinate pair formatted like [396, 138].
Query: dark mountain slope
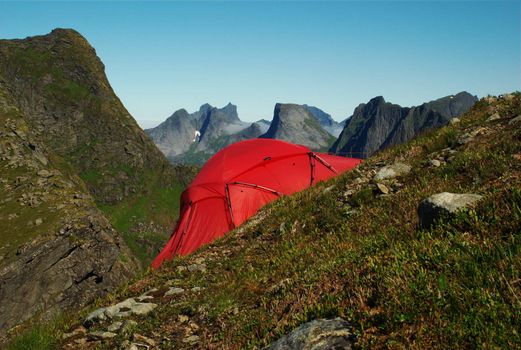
[379, 124]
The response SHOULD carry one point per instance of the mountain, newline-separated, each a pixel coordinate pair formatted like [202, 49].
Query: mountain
[380, 124]
[79, 180]
[175, 135]
[325, 120]
[352, 248]
[218, 127]
[295, 123]
[263, 124]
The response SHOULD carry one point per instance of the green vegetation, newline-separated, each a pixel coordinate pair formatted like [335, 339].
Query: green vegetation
[321, 253]
[38, 337]
[160, 205]
[45, 335]
[325, 252]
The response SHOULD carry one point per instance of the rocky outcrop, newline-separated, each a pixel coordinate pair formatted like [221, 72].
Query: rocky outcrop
[59, 84]
[294, 123]
[444, 205]
[379, 124]
[329, 124]
[83, 260]
[57, 251]
[66, 143]
[321, 334]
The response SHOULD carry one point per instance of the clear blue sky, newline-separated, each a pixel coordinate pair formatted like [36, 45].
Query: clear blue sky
[162, 56]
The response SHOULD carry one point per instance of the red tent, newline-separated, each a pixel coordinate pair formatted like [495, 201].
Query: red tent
[239, 180]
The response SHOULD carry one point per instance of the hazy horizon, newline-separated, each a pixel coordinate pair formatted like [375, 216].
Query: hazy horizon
[163, 56]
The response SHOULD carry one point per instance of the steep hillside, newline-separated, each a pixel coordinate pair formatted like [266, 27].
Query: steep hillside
[295, 123]
[57, 250]
[69, 148]
[379, 124]
[60, 87]
[354, 248]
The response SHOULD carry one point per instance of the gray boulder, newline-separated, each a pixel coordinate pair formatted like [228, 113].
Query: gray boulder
[392, 171]
[318, 334]
[443, 204]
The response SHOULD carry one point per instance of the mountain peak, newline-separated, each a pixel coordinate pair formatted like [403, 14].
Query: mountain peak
[377, 100]
[295, 123]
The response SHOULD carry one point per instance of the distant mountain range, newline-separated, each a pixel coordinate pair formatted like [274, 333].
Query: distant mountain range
[378, 124]
[194, 138]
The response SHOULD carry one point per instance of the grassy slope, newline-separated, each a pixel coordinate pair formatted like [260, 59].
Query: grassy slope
[325, 252]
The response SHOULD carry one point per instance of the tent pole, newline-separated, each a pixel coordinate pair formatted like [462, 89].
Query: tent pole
[256, 186]
[326, 164]
[185, 229]
[229, 203]
[312, 165]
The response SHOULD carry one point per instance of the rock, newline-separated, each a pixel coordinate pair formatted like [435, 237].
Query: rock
[515, 120]
[436, 163]
[359, 181]
[77, 331]
[123, 309]
[454, 121]
[102, 335]
[196, 289]
[467, 137]
[143, 308]
[95, 316]
[321, 334]
[38, 222]
[142, 339]
[493, 117]
[115, 326]
[196, 267]
[445, 203]
[81, 341]
[183, 318]
[174, 291]
[191, 339]
[392, 171]
[149, 295]
[44, 173]
[382, 188]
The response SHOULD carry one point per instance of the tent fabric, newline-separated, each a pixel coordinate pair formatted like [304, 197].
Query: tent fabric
[240, 179]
